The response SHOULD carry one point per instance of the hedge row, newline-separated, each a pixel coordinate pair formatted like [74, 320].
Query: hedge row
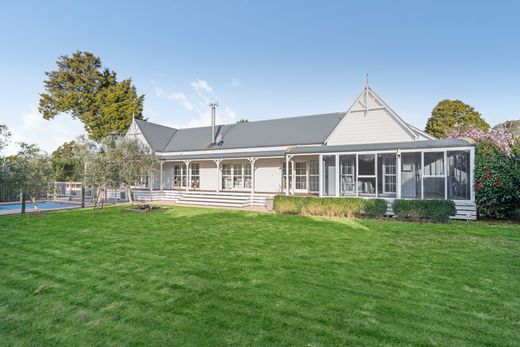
[438, 211]
[331, 207]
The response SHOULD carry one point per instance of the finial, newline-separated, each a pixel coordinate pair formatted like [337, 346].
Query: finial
[366, 81]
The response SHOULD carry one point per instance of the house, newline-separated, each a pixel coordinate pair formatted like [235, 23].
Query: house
[367, 151]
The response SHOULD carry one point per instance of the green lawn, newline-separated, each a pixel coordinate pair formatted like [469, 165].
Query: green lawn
[186, 276]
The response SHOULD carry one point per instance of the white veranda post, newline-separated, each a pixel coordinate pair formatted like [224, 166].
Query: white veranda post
[217, 163]
[161, 163]
[287, 161]
[187, 174]
[252, 162]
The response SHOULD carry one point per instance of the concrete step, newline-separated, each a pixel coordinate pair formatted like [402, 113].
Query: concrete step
[213, 199]
[211, 203]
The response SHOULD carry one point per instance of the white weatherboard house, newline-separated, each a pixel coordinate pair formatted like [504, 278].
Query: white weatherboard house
[367, 151]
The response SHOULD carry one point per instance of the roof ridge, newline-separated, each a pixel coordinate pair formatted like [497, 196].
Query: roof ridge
[249, 122]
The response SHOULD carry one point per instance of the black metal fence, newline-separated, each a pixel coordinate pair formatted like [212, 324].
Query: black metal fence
[59, 195]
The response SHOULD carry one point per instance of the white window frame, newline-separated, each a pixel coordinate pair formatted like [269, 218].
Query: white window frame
[386, 175]
[352, 175]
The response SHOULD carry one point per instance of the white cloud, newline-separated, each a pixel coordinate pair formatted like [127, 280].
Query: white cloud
[201, 85]
[197, 103]
[48, 134]
[235, 83]
[175, 96]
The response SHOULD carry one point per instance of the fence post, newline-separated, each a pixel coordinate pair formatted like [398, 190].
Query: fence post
[22, 201]
[83, 195]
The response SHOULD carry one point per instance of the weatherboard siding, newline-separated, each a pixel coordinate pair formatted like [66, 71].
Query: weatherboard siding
[268, 175]
[377, 126]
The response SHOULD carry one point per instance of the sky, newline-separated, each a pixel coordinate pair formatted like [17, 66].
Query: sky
[264, 59]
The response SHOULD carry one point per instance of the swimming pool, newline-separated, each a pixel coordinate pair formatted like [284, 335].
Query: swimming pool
[42, 205]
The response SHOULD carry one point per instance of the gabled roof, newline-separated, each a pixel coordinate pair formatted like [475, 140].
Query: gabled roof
[306, 130]
[156, 135]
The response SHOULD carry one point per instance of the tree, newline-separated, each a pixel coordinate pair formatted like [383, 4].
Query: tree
[4, 136]
[83, 88]
[66, 162]
[512, 126]
[454, 113]
[134, 160]
[31, 171]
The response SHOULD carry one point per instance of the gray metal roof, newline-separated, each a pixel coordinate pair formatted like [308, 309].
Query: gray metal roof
[156, 135]
[440, 143]
[290, 131]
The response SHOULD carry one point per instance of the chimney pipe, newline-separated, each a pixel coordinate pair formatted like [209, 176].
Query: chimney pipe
[213, 107]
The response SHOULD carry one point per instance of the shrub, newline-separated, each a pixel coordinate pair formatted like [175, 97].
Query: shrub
[375, 208]
[497, 182]
[331, 207]
[438, 211]
[287, 205]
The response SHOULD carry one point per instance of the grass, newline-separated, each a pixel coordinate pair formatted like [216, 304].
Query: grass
[207, 277]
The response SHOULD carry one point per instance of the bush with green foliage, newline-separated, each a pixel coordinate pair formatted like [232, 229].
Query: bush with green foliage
[497, 182]
[331, 207]
[438, 211]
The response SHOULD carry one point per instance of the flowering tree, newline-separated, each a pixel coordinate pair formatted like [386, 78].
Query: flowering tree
[497, 175]
[503, 139]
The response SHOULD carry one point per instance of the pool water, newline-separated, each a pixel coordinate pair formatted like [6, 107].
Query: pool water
[43, 205]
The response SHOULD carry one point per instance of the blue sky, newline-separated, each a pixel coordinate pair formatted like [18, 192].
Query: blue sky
[265, 59]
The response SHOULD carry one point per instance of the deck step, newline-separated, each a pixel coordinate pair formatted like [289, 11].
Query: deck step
[211, 203]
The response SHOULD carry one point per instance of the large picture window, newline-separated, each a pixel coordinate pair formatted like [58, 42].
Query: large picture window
[236, 176]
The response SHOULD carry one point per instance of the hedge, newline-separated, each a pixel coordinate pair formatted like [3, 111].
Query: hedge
[331, 207]
[438, 211]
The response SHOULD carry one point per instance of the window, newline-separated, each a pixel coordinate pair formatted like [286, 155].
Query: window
[284, 175]
[329, 175]
[314, 176]
[227, 177]
[179, 179]
[458, 175]
[300, 171]
[434, 178]
[236, 176]
[247, 176]
[387, 174]
[367, 174]
[195, 175]
[347, 174]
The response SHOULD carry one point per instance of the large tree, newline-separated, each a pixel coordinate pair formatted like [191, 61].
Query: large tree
[82, 87]
[134, 161]
[449, 114]
[4, 136]
[31, 172]
[66, 162]
[510, 125]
